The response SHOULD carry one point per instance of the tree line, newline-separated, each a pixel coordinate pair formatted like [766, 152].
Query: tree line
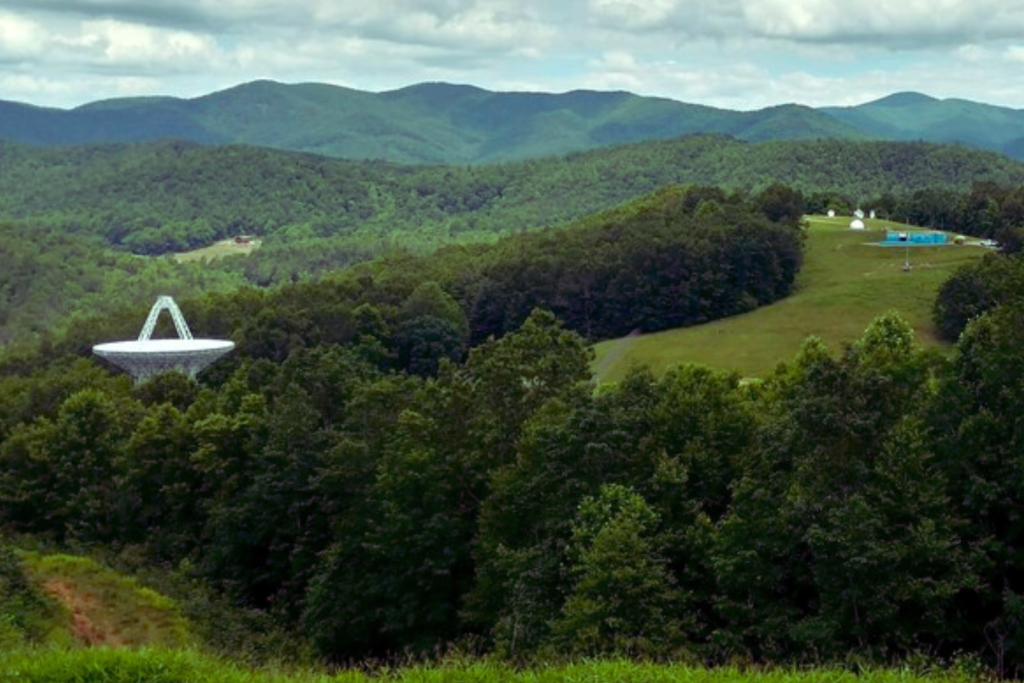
[861, 504]
[987, 209]
[975, 289]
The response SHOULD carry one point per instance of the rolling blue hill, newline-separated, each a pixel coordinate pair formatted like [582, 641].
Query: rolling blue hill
[442, 123]
[426, 123]
[913, 116]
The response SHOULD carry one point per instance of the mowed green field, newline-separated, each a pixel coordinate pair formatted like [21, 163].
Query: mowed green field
[846, 282]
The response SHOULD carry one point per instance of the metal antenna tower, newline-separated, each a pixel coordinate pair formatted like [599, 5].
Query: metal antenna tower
[162, 303]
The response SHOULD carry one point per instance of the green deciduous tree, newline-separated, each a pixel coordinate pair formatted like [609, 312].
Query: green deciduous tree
[75, 461]
[159, 488]
[840, 536]
[623, 601]
[977, 426]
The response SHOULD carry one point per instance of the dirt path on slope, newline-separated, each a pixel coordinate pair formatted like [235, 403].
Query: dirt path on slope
[91, 622]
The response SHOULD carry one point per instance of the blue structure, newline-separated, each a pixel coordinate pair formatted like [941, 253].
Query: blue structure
[894, 238]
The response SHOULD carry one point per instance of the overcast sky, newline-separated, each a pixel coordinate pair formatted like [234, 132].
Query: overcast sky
[740, 54]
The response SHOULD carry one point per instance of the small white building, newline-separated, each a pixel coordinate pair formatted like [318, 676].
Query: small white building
[858, 214]
[856, 224]
[831, 213]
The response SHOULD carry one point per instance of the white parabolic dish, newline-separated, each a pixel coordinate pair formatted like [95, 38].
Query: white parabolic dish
[146, 357]
[142, 359]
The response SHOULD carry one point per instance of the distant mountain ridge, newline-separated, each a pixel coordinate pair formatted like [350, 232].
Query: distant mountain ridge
[914, 116]
[442, 123]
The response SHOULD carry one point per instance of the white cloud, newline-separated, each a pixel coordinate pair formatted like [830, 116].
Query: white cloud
[110, 42]
[668, 21]
[908, 23]
[617, 61]
[1014, 54]
[485, 26]
[736, 53]
[744, 83]
[974, 53]
[37, 89]
[633, 14]
[20, 37]
[731, 85]
[44, 90]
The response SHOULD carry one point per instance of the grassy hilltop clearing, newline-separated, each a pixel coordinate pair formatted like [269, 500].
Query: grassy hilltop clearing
[846, 282]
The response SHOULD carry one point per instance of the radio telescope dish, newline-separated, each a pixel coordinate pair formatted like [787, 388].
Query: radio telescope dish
[146, 357]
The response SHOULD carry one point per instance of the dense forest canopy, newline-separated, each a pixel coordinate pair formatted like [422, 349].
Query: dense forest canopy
[977, 289]
[172, 196]
[866, 504]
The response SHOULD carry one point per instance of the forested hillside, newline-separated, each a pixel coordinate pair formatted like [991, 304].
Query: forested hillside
[913, 116]
[678, 257]
[47, 276]
[73, 213]
[163, 197]
[862, 505]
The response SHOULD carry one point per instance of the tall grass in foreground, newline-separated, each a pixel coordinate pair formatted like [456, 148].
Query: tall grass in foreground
[186, 666]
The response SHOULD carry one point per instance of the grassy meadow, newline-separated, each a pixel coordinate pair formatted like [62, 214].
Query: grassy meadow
[847, 280]
[186, 666]
[218, 250]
